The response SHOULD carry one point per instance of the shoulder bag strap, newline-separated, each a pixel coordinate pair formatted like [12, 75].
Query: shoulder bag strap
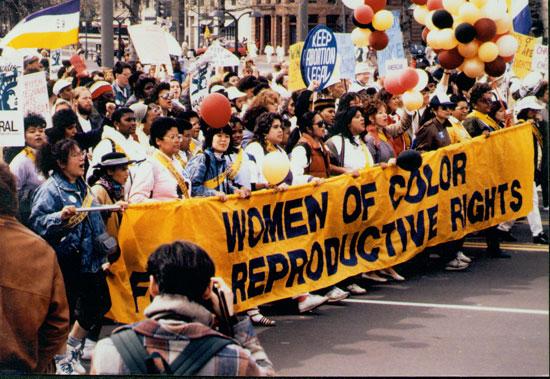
[131, 350]
[197, 354]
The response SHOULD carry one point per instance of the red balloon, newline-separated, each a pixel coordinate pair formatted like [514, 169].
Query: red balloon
[434, 4]
[425, 32]
[215, 110]
[450, 59]
[486, 29]
[508, 59]
[363, 14]
[408, 79]
[378, 40]
[392, 85]
[376, 5]
[420, 2]
[496, 68]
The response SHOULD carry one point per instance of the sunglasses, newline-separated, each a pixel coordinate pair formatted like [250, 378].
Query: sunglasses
[320, 124]
[166, 97]
[445, 107]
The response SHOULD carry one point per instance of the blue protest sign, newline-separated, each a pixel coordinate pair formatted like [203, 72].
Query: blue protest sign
[318, 56]
[395, 49]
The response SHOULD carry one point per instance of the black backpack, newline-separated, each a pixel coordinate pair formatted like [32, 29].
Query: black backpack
[197, 353]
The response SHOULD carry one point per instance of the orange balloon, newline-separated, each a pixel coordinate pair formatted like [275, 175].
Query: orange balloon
[468, 50]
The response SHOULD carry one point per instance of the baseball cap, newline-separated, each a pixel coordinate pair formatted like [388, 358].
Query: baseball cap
[60, 85]
[440, 99]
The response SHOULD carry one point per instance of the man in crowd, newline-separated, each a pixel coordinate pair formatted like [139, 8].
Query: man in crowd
[34, 309]
[121, 87]
[185, 307]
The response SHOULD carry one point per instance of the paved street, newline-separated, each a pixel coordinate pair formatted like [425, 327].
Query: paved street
[490, 320]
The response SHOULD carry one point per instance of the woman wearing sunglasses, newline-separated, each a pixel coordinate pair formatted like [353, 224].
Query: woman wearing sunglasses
[433, 134]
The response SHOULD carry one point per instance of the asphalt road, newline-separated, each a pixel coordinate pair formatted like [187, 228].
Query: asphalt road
[489, 320]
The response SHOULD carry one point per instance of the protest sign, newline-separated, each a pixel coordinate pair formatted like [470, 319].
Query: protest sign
[523, 59]
[540, 59]
[150, 44]
[277, 245]
[199, 84]
[33, 94]
[318, 56]
[346, 52]
[295, 81]
[12, 132]
[393, 65]
[218, 56]
[56, 61]
[395, 49]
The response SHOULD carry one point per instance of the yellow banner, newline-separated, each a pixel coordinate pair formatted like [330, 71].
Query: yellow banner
[295, 81]
[276, 245]
[523, 59]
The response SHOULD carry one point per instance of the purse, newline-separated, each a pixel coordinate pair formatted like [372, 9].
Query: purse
[106, 244]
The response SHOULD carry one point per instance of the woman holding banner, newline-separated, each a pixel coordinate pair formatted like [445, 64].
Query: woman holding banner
[161, 176]
[209, 171]
[75, 237]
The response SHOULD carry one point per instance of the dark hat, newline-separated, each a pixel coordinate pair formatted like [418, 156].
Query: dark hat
[440, 99]
[325, 103]
[114, 159]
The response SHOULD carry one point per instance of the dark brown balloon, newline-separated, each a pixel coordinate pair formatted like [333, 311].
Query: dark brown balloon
[378, 40]
[420, 2]
[450, 59]
[486, 29]
[496, 68]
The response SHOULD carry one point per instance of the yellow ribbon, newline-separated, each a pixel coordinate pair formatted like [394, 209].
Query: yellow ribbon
[79, 217]
[485, 118]
[368, 157]
[29, 152]
[231, 172]
[163, 160]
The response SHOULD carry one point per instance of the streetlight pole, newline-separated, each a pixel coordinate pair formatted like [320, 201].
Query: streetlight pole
[107, 54]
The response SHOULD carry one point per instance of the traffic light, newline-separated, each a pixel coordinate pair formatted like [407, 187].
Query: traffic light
[164, 8]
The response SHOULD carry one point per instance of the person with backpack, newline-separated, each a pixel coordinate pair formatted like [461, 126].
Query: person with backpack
[178, 335]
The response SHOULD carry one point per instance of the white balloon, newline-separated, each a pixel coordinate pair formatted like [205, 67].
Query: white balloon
[420, 13]
[353, 4]
[507, 45]
[422, 80]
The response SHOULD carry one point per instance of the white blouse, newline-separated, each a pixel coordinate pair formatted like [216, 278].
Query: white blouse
[356, 156]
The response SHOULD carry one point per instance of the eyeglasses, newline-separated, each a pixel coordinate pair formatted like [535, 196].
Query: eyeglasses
[166, 97]
[445, 107]
[320, 124]
[174, 137]
[77, 154]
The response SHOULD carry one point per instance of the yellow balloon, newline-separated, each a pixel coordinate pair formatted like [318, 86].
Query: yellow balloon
[360, 37]
[447, 39]
[420, 13]
[429, 23]
[468, 50]
[382, 20]
[453, 6]
[494, 9]
[504, 25]
[412, 100]
[473, 67]
[488, 52]
[479, 3]
[275, 167]
[469, 13]
[433, 39]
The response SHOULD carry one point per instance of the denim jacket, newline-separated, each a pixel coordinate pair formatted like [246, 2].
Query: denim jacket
[48, 201]
[206, 166]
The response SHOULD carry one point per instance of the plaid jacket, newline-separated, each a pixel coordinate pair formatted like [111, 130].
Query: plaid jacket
[164, 332]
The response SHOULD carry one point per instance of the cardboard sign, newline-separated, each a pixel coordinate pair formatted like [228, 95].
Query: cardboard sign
[346, 52]
[318, 56]
[295, 81]
[523, 60]
[199, 84]
[12, 132]
[395, 49]
[33, 93]
[150, 44]
[540, 59]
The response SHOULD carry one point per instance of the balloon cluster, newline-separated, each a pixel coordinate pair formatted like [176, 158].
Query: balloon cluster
[408, 82]
[471, 36]
[371, 21]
